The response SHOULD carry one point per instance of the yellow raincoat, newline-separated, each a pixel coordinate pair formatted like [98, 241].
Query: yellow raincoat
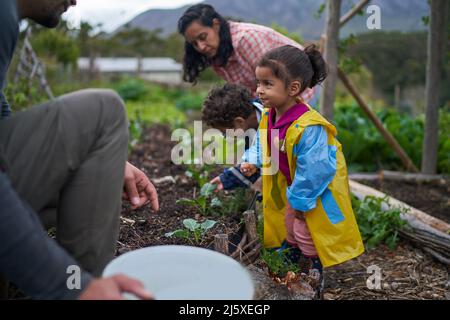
[335, 242]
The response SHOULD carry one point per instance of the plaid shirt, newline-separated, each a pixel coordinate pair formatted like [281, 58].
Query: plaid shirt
[250, 43]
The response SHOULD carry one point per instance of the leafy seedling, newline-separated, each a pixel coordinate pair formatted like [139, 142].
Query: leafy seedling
[193, 231]
[205, 201]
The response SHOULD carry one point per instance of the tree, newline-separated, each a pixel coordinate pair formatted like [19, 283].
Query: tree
[331, 57]
[436, 51]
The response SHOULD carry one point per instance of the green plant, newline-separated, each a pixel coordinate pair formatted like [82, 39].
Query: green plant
[366, 150]
[135, 128]
[377, 225]
[205, 202]
[200, 173]
[190, 101]
[277, 262]
[193, 231]
[236, 201]
[131, 89]
[151, 112]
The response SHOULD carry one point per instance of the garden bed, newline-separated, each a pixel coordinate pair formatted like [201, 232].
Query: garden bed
[432, 198]
[407, 272]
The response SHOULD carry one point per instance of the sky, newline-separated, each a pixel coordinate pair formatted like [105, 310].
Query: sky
[114, 13]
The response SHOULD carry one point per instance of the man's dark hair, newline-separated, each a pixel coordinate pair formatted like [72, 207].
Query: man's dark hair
[194, 62]
[226, 103]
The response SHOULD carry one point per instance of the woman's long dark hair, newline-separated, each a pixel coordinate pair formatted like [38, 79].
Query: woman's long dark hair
[194, 62]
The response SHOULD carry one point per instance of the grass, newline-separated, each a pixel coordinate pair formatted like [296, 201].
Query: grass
[148, 112]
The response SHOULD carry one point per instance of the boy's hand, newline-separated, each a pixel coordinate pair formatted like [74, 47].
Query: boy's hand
[248, 169]
[217, 182]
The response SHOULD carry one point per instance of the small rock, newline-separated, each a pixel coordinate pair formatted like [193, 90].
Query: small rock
[329, 296]
[394, 286]
[167, 179]
[123, 250]
[183, 180]
[435, 296]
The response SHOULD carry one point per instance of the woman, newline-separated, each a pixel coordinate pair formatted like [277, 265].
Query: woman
[232, 49]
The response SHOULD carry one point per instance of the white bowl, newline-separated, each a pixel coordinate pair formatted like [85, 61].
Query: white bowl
[185, 273]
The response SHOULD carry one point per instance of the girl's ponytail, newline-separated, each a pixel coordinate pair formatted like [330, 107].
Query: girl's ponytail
[290, 63]
[318, 64]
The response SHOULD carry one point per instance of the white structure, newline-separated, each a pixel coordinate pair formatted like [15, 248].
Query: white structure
[165, 70]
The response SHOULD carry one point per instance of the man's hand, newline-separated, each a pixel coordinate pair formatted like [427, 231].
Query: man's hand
[138, 189]
[112, 288]
[217, 182]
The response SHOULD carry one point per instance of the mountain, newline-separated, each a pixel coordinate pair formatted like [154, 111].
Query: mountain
[295, 15]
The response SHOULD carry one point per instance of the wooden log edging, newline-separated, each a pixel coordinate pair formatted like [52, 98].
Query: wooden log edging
[426, 232]
[363, 190]
[221, 243]
[248, 249]
[386, 175]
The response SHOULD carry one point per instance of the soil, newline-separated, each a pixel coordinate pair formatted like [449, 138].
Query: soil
[406, 273]
[143, 228]
[433, 199]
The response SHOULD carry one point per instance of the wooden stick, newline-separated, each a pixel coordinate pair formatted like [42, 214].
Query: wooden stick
[407, 162]
[344, 19]
[412, 177]
[252, 255]
[330, 55]
[409, 165]
[242, 242]
[349, 15]
[221, 243]
[250, 224]
[364, 176]
[400, 176]
[248, 245]
[438, 256]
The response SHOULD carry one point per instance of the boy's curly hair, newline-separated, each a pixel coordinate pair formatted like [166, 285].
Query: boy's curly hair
[224, 104]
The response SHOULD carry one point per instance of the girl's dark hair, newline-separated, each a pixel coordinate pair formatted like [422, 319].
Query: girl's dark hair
[193, 61]
[226, 103]
[289, 63]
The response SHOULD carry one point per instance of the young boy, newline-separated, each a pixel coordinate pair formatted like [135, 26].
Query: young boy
[232, 107]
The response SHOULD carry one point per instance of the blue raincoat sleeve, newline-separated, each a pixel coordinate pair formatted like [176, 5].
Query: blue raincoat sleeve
[316, 168]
